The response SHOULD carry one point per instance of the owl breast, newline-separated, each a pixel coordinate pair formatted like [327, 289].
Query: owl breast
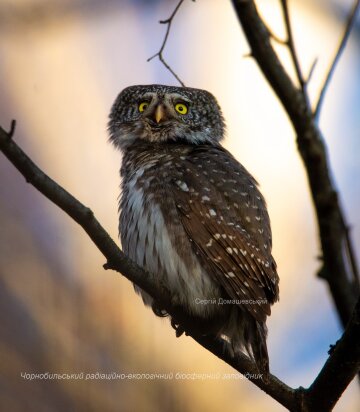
[151, 231]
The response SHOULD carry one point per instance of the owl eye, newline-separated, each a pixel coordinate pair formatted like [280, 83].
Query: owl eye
[143, 106]
[181, 108]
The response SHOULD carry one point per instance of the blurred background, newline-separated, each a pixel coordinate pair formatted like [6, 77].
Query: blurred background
[62, 64]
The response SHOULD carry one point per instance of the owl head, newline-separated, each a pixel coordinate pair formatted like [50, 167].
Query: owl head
[157, 114]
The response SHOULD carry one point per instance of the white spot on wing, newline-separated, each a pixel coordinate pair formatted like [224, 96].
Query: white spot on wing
[182, 185]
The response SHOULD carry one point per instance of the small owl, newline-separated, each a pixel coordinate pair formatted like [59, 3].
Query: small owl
[192, 215]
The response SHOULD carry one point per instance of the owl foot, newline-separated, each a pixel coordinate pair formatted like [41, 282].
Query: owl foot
[178, 329]
[159, 312]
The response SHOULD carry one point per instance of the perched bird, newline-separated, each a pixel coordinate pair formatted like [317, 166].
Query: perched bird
[192, 215]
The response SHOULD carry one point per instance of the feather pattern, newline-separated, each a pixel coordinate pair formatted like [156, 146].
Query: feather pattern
[234, 240]
[193, 216]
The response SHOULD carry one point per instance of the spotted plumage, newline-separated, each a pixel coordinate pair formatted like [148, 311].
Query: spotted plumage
[192, 215]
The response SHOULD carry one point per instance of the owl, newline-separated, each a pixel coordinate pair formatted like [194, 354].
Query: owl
[192, 215]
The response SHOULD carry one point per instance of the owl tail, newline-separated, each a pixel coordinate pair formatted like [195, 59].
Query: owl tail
[245, 334]
[259, 348]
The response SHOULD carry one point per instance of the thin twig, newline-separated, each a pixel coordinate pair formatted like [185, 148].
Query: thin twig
[294, 57]
[348, 27]
[311, 71]
[275, 36]
[351, 254]
[159, 54]
[247, 55]
[12, 129]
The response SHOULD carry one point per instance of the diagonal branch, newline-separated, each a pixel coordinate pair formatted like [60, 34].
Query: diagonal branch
[311, 71]
[339, 369]
[116, 260]
[345, 357]
[344, 39]
[275, 37]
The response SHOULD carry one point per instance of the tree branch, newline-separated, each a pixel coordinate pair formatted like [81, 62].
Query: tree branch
[116, 260]
[346, 352]
[289, 397]
[311, 71]
[330, 216]
[159, 54]
[344, 39]
[339, 369]
[275, 37]
[291, 45]
[344, 361]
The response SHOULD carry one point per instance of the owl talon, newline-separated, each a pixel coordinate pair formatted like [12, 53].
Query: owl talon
[159, 312]
[178, 329]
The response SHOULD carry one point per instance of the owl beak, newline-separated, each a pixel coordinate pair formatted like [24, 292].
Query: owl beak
[159, 113]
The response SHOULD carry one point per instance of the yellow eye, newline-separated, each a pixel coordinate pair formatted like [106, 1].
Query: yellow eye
[143, 106]
[181, 108]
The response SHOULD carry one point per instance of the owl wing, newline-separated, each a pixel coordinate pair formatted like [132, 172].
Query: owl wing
[225, 218]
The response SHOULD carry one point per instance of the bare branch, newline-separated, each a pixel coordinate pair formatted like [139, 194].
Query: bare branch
[330, 216]
[291, 45]
[275, 36]
[12, 129]
[339, 369]
[344, 361]
[116, 260]
[311, 71]
[344, 39]
[351, 254]
[247, 55]
[347, 350]
[159, 54]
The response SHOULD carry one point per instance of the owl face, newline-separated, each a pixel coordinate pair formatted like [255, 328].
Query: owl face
[157, 113]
